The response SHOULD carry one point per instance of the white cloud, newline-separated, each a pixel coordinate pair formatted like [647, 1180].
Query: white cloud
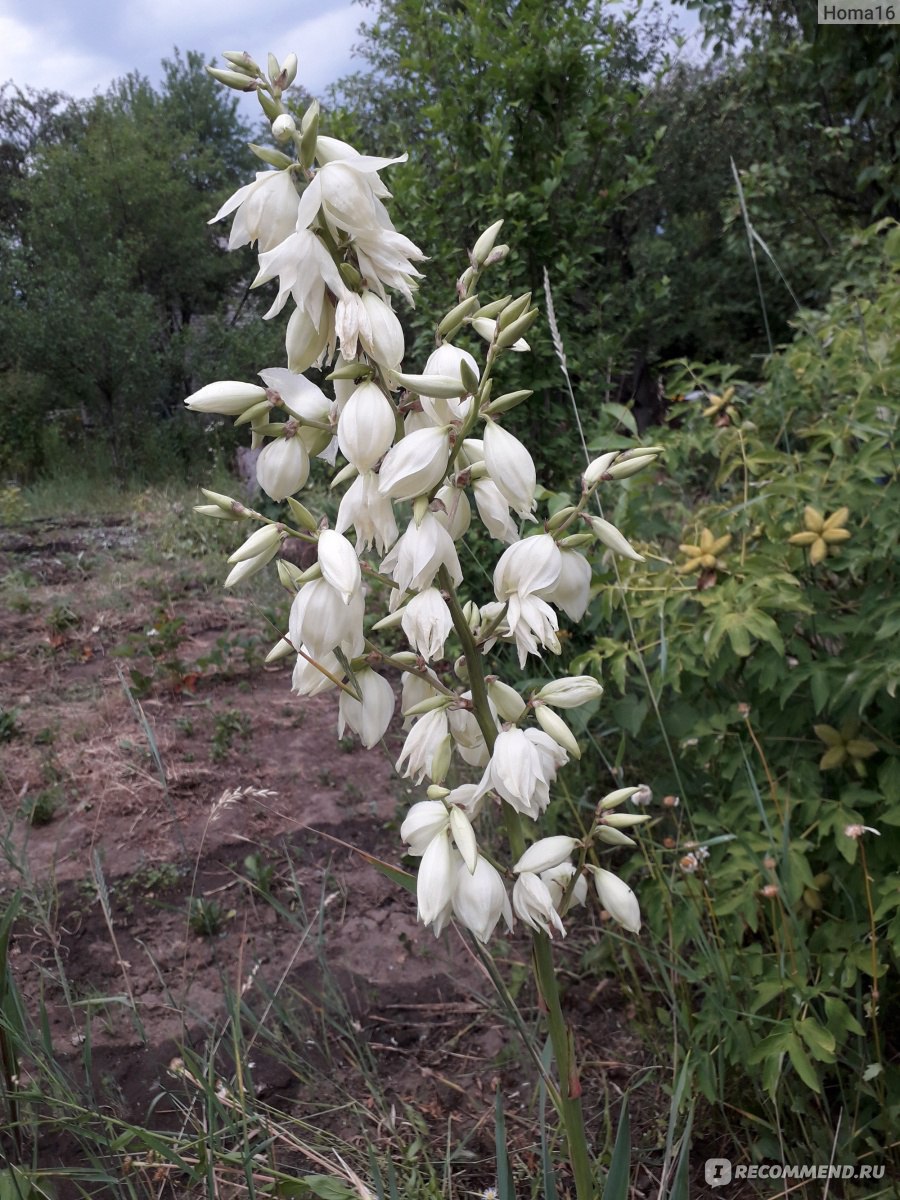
[323, 44]
[45, 56]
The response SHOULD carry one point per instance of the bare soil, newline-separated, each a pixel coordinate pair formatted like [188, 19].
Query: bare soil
[154, 802]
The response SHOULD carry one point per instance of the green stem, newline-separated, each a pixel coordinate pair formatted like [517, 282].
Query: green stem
[560, 1038]
[569, 1084]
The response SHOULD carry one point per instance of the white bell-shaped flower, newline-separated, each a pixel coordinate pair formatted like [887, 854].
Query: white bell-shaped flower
[445, 361]
[572, 590]
[322, 621]
[424, 821]
[494, 511]
[307, 338]
[435, 881]
[533, 903]
[480, 899]
[308, 680]
[369, 513]
[427, 623]
[304, 268]
[521, 770]
[571, 692]
[366, 426]
[368, 720]
[339, 564]
[265, 210]
[511, 467]
[424, 745]
[557, 880]
[301, 396]
[282, 467]
[419, 554]
[455, 513]
[416, 464]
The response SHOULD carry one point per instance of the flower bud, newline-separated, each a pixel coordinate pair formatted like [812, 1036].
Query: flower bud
[288, 72]
[464, 837]
[301, 514]
[282, 649]
[533, 903]
[455, 317]
[289, 576]
[257, 543]
[513, 310]
[507, 701]
[625, 468]
[511, 337]
[340, 566]
[485, 244]
[442, 387]
[416, 464]
[619, 796]
[511, 468]
[227, 398]
[226, 503]
[571, 692]
[366, 426]
[598, 468]
[283, 126]
[612, 837]
[608, 534]
[241, 61]
[233, 79]
[213, 510]
[282, 467]
[555, 726]
[547, 853]
[625, 820]
[618, 899]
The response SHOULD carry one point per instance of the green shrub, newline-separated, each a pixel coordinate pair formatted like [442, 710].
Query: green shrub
[771, 660]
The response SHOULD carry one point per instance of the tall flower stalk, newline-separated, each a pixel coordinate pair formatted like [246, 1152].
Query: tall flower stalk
[416, 457]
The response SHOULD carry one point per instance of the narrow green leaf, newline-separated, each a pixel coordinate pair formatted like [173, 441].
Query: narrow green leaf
[618, 1179]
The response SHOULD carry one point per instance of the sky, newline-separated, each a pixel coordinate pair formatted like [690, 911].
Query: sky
[80, 46]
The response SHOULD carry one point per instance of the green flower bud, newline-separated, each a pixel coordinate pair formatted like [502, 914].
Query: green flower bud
[489, 311]
[275, 158]
[625, 468]
[514, 310]
[302, 515]
[233, 79]
[289, 576]
[485, 244]
[455, 317]
[517, 329]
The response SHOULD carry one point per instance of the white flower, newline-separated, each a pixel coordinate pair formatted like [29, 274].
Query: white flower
[464, 836]
[445, 361]
[339, 564]
[304, 269]
[424, 742]
[571, 692]
[547, 853]
[467, 736]
[533, 902]
[309, 342]
[386, 257]
[369, 320]
[511, 467]
[282, 467]
[370, 514]
[527, 566]
[427, 623]
[522, 767]
[308, 680]
[419, 554]
[416, 464]
[456, 515]
[345, 191]
[572, 590]
[266, 210]
[480, 899]
[366, 426]
[369, 719]
[434, 885]
[494, 511]
[557, 881]
[228, 397]
[321, 620]
[424, 821]
[301, 396]
[413, 690]
[618, 899]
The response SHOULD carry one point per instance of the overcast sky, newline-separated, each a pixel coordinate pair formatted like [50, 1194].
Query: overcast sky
[81, 46]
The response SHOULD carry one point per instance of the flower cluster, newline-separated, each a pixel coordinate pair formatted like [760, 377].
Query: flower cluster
[419, 456]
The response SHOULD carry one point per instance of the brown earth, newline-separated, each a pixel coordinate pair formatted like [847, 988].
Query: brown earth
[155, 803]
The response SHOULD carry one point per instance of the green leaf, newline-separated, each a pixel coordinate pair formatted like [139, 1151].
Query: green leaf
[618, 1179]
[821, 1041]
[801, 1063]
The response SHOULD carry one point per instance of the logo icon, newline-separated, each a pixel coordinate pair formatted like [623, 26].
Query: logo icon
[717, 1171]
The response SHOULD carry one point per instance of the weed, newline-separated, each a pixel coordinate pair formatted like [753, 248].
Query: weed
[61, 618]
[9, 724]
[206, 917]
[261, 874]
[39, 808]
[228, 725]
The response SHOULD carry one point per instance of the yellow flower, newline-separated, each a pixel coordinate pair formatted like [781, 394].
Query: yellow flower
[703, 555]
[843, 746]
[821, 533]
[720, 404]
